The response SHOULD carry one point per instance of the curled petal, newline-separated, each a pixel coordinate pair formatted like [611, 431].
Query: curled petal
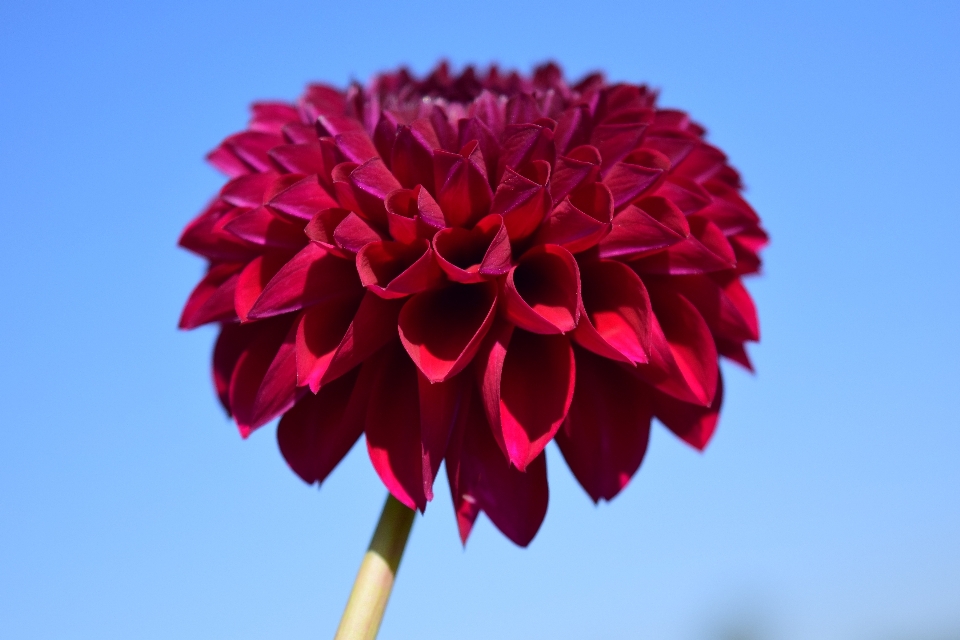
[250, 191]
[463, 190]
[542, 293]
[303, 199]
[262, 227]
[404, 214]
[481, 478]
[372, 182]
[580, 165]
[523, 199]
[522, 144]
[527, 382]
[212, 299]
[617, 312]
[394, 270]
[319, 431]
[580, 221]
[605, 435]
[475, 129]
[442, 329]
[639, 230]
[474, 255]
[353, 233]
[691, 423]
[251, 147]
[311, 276]
[322, 227]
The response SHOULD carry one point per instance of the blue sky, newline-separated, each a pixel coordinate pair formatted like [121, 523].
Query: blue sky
[828, 505]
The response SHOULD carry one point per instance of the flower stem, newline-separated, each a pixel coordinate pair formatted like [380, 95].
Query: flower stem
[371, 590]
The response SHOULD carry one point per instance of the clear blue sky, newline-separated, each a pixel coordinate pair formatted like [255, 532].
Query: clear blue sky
[827, 507]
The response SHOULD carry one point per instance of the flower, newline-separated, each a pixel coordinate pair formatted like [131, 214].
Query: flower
[466, 267]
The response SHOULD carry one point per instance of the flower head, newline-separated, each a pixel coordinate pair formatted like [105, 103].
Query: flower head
[466, 267]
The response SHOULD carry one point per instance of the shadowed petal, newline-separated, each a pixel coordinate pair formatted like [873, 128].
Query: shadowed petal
[463, 191]
[474, 255]
[249, 372]
[212, 299]
[653, 226]
[617, 309]
[542, 293]
[691, 423]
[395, 270]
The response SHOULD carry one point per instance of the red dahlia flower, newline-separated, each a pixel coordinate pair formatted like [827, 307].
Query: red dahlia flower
[464, 268]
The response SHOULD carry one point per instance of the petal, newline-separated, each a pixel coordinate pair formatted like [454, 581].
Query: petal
[523, 199]
[605, 435]
[255, 277]
[474, 255]
[527, 381]
[231, 343]
[252, 147]
[441, 407]
[303, 199]
[353, 234]
[442, 329]
[617, 312]
[687, 195]
[691, 423]
[251, 367]
[394, 270]
[464, 193]
[372, 182]
[403, 214]
[393, 428]
[262, 227]
[482, 478]
[311, 158]
[319, 431]
[356, 146]
[322, 227]
[705, 250]
[278, 391]
[542, 293]
[728, 311]
[475, 129]
[311, 276]
[373, 326]
[522, 144]
[627, 181]
[580, 221]
[249, 191]
[653, 226]
[683, 363]
[212, 299]
[320, 331]
[615, 141]
[571, 170]
[412, 157]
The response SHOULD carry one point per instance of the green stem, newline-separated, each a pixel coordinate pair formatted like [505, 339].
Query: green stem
[371, 590]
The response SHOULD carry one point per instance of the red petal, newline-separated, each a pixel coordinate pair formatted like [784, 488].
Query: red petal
[638, 231]
[442, 329]
[731, 318]
[615, 141]
[252, 147]
[528, 382]
[691, 423]
[412, 157]
[251, 367]
[249, 191]
[523, 199]
[686, 194]
[572, 170]
[617, 312]
[311, 276]
[321, 429]
[464, 193]
[581, 221]
[303, 200]
[373, 326]
[393, 428]
[212, 299]
[441, 406]
[353, 234]
[278, 391]
[542, 293]
[474, 255]
[255, 277]
[395, 270]
[605, 435]
[372, 182]
[322, 227]
[311, 158]
[262, 227]
[231, 343]
[356, 146]
[627, 181]
[481, 478]
[704, 251]
[320, 331]
[403, 214]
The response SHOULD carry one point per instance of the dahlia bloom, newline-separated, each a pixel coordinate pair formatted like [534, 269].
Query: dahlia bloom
[465, 267]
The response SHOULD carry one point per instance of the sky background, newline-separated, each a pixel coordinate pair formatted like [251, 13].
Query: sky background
[827, 506]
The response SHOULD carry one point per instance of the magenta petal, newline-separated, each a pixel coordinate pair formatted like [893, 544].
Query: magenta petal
[706, 250]
[691, 423]
[319, 431]
[641, 231]
[320, 331]
[482, 478]
[687, 195]
[542, 293]
[682, 354]
[580, 221]
[393, 428]
[627, 181]
[212, 299]
[463, 190]
[356, 146]
[251, 367]
[572, 170]
[231, 343]
[373, 326]
[474, 255]
[728, 311]
[353, 233]
[322, 227]
[252, 147]
[615, 141]
[249, 191]
[442, 329]
[311, 276]
[262, 227]
[311, 158]
[395, 270]
[605, 435]
[523, 199]
[278, 391]
[255, 277]
[441, 406]
[618, 312]
[372, 182]
[412, 157]
[405, 214]
[303, 199]
[228, 162]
